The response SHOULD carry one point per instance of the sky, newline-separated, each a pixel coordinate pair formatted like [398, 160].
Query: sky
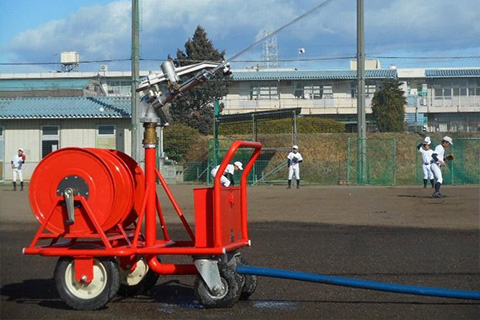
[404, 33]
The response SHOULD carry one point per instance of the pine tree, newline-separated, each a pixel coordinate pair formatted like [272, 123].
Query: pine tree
[388, 106]
[195, 108]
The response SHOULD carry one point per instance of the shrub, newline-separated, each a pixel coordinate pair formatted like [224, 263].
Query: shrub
[178, 139]
[304, 125]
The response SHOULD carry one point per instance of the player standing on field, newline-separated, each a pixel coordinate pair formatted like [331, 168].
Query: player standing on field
[294, 158]
[17, 161]
[437, 162]
[426, 152]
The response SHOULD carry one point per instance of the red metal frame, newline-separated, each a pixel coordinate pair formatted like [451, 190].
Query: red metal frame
[130, 243]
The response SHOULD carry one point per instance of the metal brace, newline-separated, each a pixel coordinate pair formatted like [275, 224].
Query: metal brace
[208, 270]
[68, 194]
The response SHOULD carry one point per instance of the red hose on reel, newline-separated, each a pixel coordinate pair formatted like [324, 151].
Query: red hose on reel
[110, 181]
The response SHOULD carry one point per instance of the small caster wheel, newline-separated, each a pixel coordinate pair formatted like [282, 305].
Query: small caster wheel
[137, 281]
[248, 282]
[83, 296]
[224, 297]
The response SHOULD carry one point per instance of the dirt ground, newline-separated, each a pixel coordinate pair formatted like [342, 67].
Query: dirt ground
[409, 206]
[389, 234]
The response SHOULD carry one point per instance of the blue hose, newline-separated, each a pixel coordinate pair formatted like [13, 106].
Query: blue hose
[356, 283]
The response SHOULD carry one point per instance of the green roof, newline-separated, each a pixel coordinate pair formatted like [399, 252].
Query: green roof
[452, 73]
[312, 75]
[42, 84]
[65, 108]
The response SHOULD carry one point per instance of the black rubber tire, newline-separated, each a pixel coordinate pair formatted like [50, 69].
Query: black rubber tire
[110, 271]
[231, 281]
[148, 281]
[248, 281]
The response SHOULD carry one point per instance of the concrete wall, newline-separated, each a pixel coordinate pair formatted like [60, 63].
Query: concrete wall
[27, 134]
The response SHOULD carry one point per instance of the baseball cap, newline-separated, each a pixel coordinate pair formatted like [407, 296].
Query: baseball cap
[20, 149]
[448, 139]
[295, 147]
[238, 164]
[427, 140]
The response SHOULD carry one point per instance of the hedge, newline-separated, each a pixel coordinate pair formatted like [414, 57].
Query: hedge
[304, 125]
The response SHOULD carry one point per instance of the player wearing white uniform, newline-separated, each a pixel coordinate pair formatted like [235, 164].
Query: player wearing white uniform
[227, 177]
[437, 162]
[426, 152]
[294, 159]
[17, 161]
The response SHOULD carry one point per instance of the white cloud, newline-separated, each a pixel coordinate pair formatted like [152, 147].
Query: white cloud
[103, 32]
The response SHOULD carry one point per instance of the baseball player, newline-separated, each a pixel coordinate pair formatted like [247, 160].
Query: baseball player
[294, 159]
[17, 161]
[426, 152]
[438, 157]
[227, 177]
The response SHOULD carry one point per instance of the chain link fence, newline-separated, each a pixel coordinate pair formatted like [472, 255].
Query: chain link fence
[331, 159]
[464, 169]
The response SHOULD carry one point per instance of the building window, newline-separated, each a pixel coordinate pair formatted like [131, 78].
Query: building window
[105, 137]
[369, 90]
[264, 92]
[50, 139]
[312, 91]
[327, 91]
[119, 88]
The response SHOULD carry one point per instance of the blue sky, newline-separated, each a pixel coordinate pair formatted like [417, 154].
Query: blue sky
[400, 32]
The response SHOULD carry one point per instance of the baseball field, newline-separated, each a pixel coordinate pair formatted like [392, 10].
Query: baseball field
[391, 234]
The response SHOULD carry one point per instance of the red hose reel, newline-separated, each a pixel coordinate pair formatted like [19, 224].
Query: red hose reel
[111, 182]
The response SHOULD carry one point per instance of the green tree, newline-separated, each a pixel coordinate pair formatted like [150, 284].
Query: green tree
[178, 139]
[388, 106]
[195, 108]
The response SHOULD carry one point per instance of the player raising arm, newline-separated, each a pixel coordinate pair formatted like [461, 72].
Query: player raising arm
[426, 152]
[438, 160]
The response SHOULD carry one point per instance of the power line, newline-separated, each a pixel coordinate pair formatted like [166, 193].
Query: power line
[253, 61]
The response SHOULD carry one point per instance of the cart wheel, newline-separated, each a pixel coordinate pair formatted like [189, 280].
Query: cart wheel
[248, 282]
[81, 296]
[137, 281]
[226, 297]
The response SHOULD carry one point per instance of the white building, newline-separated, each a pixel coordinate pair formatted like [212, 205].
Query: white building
[44, 111]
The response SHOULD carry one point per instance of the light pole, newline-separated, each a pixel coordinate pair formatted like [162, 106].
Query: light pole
[361, 122]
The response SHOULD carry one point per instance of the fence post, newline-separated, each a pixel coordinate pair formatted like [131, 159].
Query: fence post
[451, 166]
[394, 160]
[348, 161]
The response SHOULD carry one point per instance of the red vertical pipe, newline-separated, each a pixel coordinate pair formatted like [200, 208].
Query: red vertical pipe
[243, 187]
[243, 191]
[151, 207]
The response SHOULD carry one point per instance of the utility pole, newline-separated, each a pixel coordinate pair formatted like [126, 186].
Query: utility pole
[361, 122]
[135, 132]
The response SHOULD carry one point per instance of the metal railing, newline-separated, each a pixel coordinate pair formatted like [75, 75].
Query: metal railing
[342, 104]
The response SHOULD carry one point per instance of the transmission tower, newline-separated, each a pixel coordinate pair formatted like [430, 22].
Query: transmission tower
[270, 51]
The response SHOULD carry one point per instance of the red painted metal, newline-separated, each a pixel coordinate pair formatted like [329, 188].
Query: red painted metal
[83, 269]
[175, 205]
[110, 184]
[219, 227]
[151, 195]
[139, 186]
[203, 200]
[220, 213]
[124, 184]
[163, 225]
[169, 269]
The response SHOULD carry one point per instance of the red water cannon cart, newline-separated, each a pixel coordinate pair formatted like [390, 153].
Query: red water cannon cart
[100, 214]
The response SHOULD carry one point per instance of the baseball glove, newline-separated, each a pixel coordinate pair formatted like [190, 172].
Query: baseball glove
[294, 160]
[449, 157]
